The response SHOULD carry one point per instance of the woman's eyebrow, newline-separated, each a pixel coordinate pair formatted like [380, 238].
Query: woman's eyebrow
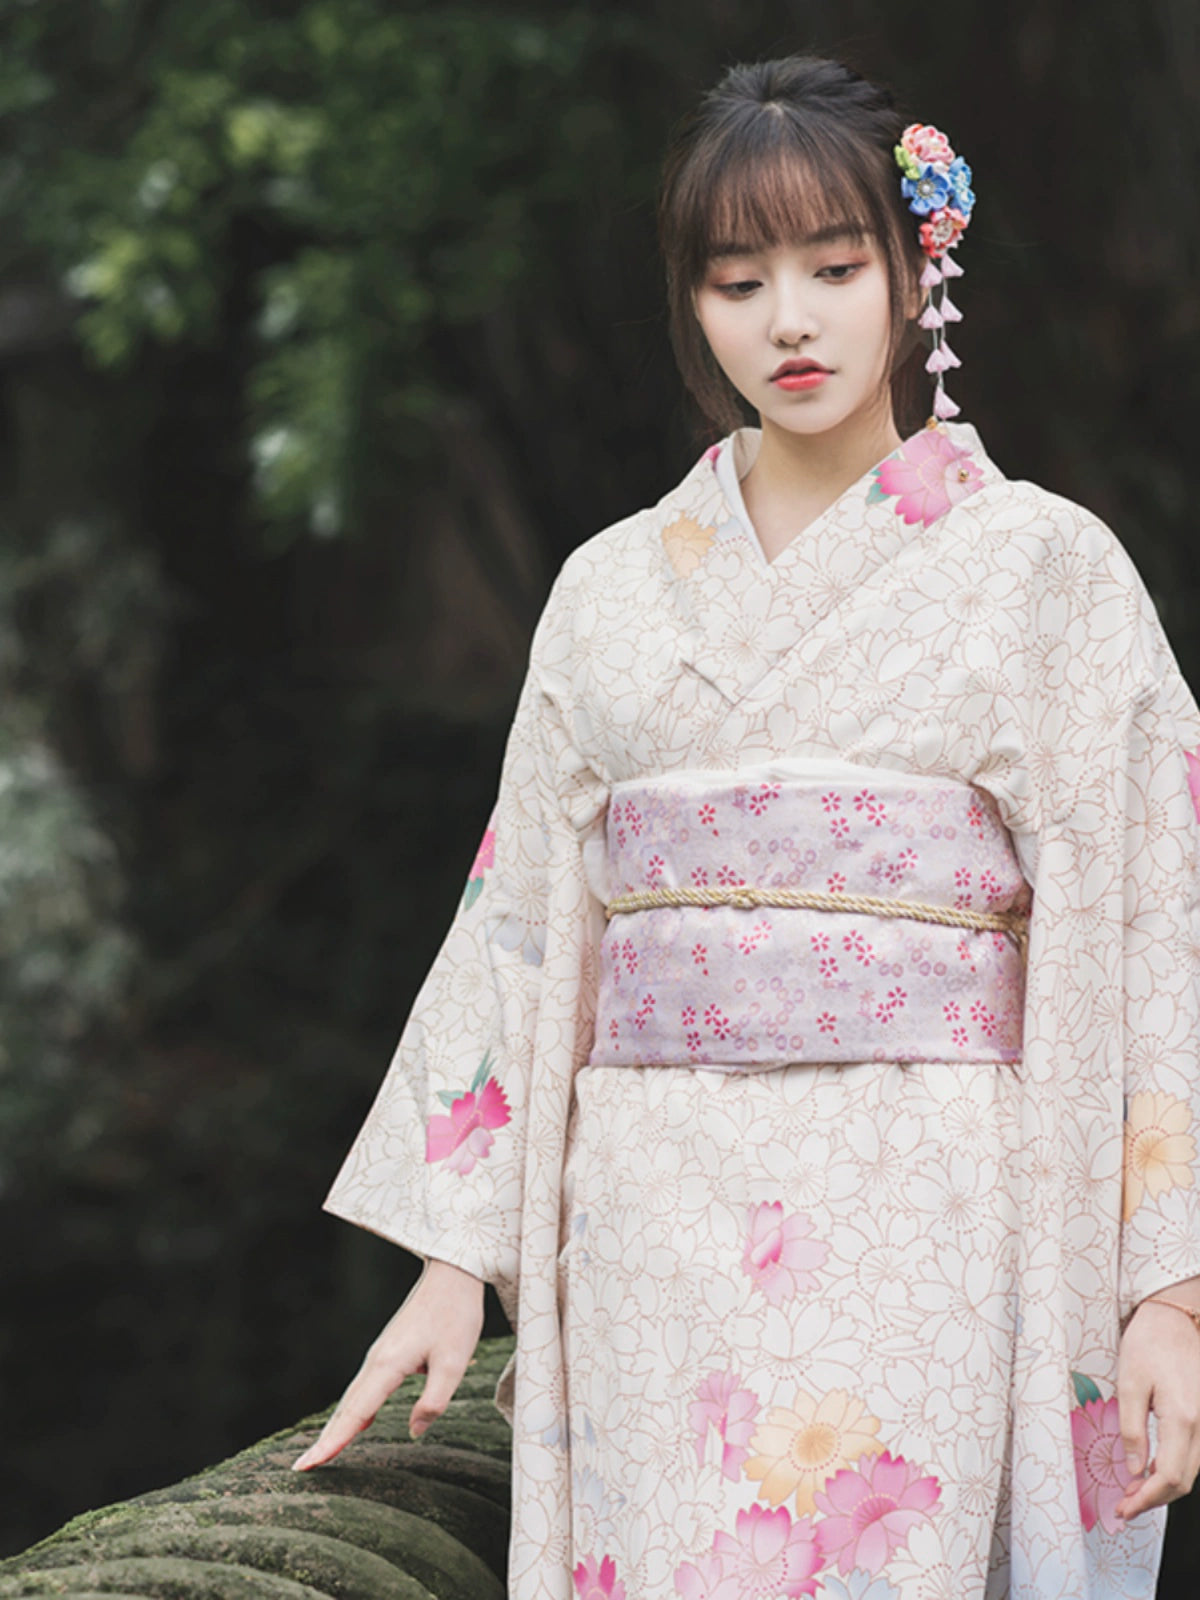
[835, 232]
[832, 233]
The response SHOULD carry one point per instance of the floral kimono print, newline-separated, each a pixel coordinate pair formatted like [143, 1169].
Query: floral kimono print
[812, 1062]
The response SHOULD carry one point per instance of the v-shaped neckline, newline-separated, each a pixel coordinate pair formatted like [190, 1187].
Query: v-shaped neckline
[735, 455]
[743, 613]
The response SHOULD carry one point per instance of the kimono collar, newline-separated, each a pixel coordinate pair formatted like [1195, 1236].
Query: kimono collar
[924, 477]
[743, 613]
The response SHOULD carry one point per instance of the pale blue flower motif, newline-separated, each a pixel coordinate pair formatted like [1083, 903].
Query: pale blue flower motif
[595, 1503]
[556, 1435]
[959, 175]
[858, 1586]
[929, 192]
[514, 933]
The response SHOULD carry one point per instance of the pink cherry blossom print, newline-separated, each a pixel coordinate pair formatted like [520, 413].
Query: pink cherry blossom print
[1100, 1471]
[870, 1510]
[485, 856]
[485, 859]
[1193, 778]
[706, 1579]
[769, 1554]
[779, 1255]
[465, 1136]
[928, 474]
[723, 1405]
[598, 1581]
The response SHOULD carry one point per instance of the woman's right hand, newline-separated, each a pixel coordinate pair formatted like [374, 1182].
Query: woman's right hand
[435, 1331]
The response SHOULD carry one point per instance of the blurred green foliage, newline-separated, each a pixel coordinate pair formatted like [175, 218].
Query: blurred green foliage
[400, 169]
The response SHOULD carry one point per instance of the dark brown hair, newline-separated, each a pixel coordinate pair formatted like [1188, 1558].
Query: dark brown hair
[777, 151]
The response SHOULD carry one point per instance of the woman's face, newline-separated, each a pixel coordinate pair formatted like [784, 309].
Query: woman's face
[802, 331]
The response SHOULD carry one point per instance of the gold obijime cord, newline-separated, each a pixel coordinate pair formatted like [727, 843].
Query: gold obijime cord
[744, 898]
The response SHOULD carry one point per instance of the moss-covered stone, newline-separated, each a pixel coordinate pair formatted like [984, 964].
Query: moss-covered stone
[367, 1474]
[389, 1519]
[407, 1544]
[163, 1577]
[327, 1564]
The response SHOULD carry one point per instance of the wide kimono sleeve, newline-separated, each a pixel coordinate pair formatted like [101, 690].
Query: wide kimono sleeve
[1093, 760]
[439, 1164]
[1160, 1218]
[1108, 775]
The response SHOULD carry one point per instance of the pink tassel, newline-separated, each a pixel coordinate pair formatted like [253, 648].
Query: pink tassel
[951, 268]
[937, 361]
[949, 311]
[949, 359]
[943, 406]
[931, 275]
[931, 317]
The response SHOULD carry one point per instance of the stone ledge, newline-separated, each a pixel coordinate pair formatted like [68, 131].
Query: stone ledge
[389, 1519]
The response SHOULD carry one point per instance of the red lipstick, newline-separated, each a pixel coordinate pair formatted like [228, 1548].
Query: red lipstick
[793, 375]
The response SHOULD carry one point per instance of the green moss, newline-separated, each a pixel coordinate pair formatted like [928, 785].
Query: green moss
[409, 1545]
[388, 1519]
[327, 1564]
[163, 1577]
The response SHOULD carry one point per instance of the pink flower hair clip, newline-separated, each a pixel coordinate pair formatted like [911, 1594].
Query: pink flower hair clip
[937, 185]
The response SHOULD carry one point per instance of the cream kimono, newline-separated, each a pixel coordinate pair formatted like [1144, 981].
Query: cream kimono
[845, 1330]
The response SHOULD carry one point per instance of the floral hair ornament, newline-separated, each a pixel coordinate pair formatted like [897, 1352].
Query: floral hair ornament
[937, 185]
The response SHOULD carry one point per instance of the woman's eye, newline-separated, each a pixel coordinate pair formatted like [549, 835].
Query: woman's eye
[841, 271]
[738, 290]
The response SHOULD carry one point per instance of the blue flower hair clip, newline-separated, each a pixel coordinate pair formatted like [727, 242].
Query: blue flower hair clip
[937, 185]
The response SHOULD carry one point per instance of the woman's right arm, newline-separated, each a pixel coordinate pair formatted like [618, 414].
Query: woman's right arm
[435, 1331]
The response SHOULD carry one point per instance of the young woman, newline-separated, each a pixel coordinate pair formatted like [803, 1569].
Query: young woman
[812, 1063]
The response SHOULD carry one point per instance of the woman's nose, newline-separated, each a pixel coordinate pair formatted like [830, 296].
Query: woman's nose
[792, 317]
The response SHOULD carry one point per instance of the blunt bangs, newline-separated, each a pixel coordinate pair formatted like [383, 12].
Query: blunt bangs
[780, 194]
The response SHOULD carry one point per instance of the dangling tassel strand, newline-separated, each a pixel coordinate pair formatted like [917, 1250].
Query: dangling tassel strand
[943, 407]
[936, 186]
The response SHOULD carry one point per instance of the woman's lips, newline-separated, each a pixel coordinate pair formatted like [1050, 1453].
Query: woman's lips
[812, 378]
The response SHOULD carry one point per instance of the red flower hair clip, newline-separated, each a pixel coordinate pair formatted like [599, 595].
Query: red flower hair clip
[937, 185]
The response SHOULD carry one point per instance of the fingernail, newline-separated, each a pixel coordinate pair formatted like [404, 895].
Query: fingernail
[298, 1464]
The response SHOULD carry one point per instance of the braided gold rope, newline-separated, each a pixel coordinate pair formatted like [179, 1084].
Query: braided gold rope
[745, 898]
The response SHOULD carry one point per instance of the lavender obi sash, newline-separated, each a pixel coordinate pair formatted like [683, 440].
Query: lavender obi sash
[903, 939]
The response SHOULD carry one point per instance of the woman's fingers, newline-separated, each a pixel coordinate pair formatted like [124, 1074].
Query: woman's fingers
[1133, 1404]
[444, 1376]
[1154, 1373]
[355, 1411]
[1172, 1472]
[1177, 1459]
[435, 1331]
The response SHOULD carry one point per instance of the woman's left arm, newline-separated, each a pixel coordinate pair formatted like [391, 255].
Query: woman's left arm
[1159, 1370]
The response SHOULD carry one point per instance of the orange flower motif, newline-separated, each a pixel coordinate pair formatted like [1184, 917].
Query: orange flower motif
[942, 231]
[687, 542]
[800, 1446]
[1159, 1147]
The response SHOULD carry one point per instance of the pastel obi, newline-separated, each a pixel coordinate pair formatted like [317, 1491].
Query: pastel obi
[755, 924]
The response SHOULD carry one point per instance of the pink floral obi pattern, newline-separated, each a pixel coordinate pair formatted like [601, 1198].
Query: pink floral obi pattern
[740, 989]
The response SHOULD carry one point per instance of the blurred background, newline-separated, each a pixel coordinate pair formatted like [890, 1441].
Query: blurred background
[327, 329]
